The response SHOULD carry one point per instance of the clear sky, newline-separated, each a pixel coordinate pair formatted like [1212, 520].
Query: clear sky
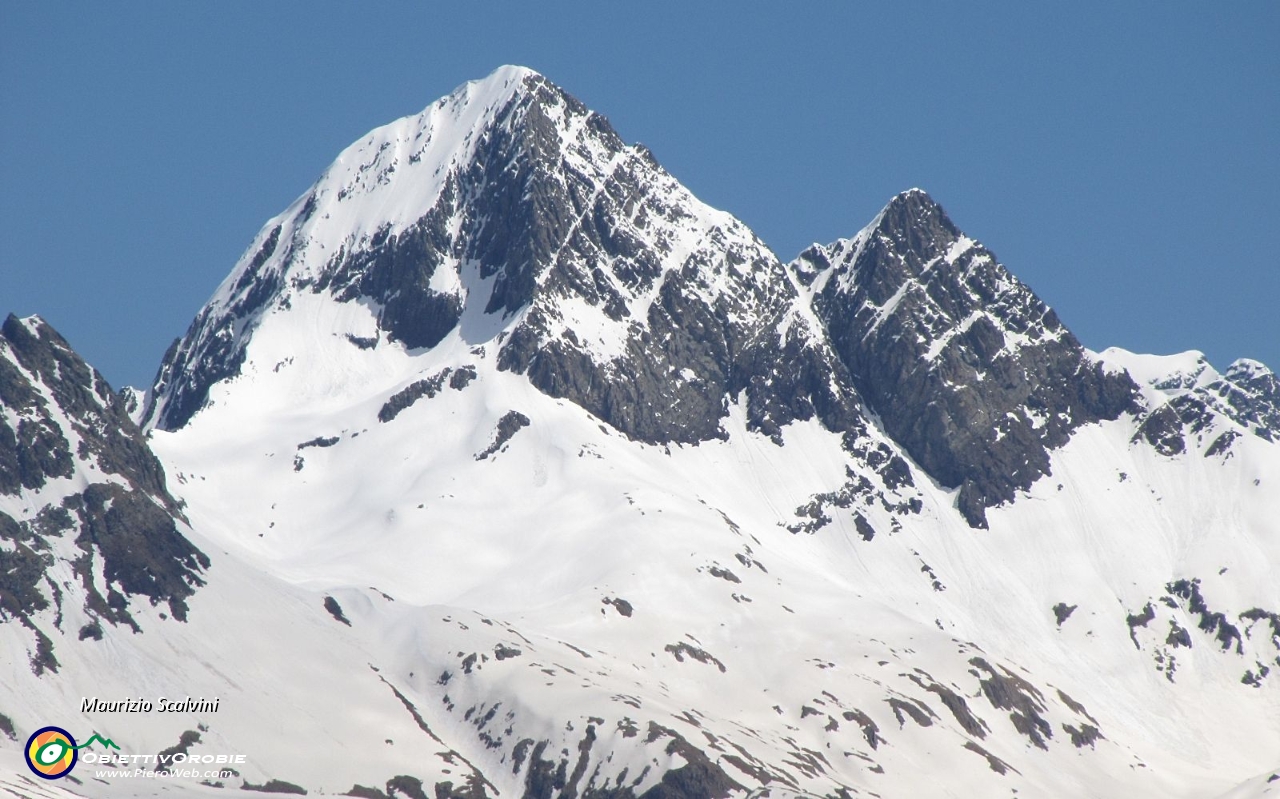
[1121, 158]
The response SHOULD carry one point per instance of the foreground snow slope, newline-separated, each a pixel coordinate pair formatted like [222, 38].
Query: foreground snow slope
[567, 516]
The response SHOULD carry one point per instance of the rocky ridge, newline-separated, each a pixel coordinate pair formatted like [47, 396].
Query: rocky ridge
[967, 369]
[81, 495]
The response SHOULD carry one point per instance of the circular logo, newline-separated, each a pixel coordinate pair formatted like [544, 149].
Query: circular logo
[51, 752]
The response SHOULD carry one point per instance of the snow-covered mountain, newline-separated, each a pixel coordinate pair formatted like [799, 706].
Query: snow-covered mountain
[504, 466]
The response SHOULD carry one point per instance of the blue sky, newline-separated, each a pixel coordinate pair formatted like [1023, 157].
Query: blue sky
[1121, 158]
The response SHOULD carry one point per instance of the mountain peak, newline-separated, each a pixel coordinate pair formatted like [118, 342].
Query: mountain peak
[395, 224]
[914, 222]
[488, 93]
[1245, 369]
[507, 73]
[497, 85]
[914, 195]
[506, 214]
[951, 351]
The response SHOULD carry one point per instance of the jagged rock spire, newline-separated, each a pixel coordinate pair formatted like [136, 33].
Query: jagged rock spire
[966, 367]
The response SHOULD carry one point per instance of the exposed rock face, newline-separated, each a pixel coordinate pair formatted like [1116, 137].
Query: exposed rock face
[79, 484]
[1238, 635]
[968, 370]
[1252, 393]
[690, 307]
[1194, 408]
[510, 423]
[43, 383]
[614, 286]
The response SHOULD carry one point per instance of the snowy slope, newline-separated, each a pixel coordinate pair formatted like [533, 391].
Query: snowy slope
[521, 472]
[588, 517]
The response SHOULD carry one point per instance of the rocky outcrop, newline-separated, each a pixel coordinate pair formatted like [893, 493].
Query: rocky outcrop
[1251, 392]
[966, 367]
[103, 508]
[1195, 409]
